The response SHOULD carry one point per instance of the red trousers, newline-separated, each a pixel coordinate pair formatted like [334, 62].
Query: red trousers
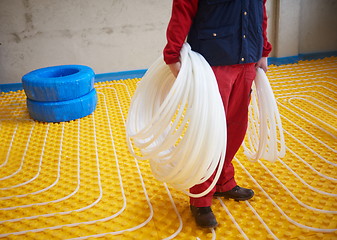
[234, 84]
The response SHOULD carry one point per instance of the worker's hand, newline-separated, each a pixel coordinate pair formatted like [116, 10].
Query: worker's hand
[262, 63]
[175, 68]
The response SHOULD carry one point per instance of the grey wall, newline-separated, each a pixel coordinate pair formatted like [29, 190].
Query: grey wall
[318, 26]
[119, 35]
[303, 26]
[107, 35]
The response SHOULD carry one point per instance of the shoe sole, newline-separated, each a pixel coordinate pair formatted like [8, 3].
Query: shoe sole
[236, 199]
[209, 226]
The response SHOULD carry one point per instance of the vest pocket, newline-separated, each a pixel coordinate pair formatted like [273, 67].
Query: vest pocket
[218, 46]
[215, 33]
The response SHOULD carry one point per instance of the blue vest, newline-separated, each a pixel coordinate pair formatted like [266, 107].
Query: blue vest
[228, 32]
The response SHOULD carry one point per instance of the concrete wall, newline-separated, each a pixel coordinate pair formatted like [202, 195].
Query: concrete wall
[303, 26]
[119, 35]
[107, 35]
[318, 26]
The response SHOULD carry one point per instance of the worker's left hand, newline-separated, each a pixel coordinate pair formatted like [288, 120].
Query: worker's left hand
[262, 63]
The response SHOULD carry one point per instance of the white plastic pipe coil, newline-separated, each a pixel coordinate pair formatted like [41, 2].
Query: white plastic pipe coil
[179, 124]
[265, 139]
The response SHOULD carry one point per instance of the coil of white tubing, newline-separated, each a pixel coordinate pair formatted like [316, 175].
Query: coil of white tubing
[265, 139]
[179, 124]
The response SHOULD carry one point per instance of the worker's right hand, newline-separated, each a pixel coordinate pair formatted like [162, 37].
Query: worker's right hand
[175, 68]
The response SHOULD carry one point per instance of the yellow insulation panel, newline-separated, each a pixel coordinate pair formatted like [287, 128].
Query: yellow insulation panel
[77, 180]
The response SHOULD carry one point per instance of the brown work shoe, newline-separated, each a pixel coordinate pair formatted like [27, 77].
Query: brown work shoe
[237, 193]
[204, 217]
